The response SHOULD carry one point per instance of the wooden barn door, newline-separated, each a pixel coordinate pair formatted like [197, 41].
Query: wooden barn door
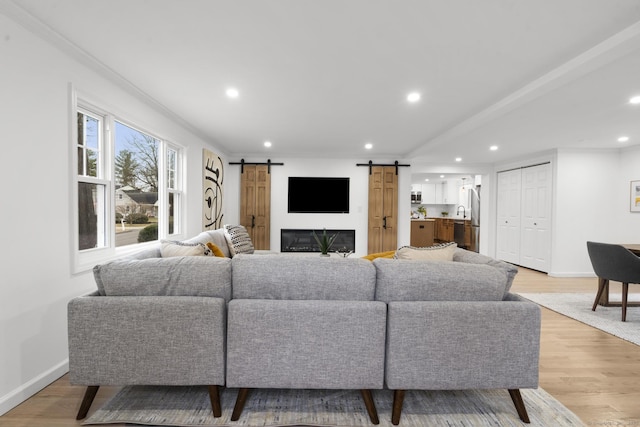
[255, 204]
[383, 209]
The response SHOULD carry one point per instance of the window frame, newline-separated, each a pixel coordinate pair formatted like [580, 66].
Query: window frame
[85, 259]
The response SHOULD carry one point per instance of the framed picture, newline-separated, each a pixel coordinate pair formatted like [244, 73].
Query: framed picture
[635, 196]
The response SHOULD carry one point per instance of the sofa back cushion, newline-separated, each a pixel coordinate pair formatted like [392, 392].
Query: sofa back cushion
[176, 276]
[291, 277]
[412, 280]
[509, 270]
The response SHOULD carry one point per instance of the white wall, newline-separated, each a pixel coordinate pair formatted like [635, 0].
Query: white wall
[588, 190]
[356, 219]
[36, 264]
[628, 170]
[590, 202]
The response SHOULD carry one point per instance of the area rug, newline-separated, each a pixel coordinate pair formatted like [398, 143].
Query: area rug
[578, 306]
[189, 406]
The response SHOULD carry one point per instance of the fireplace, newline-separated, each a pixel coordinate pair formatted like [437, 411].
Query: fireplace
[301, 240]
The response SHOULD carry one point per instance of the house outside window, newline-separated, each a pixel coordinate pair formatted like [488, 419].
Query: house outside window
[128, 187]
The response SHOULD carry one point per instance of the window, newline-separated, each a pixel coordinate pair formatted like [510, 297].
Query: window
[91, 183]
[128, 187]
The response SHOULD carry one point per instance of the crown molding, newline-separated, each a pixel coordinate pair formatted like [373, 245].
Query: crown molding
[45, 32]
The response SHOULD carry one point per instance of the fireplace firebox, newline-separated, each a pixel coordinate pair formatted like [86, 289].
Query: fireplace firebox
[301, 240]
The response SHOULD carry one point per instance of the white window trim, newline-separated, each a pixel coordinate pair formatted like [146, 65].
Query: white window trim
[85, 260]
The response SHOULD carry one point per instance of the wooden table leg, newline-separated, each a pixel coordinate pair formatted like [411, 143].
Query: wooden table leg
[604, 298]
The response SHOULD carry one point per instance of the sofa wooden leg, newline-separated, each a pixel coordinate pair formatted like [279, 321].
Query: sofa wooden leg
[519, 404]
[370, 405]
[398, 400]
[87, 400]
[214, 396]
[240, 401]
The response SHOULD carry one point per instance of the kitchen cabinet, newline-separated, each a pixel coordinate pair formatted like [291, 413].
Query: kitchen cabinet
[467, 234]
[429, 194]
[445, 192]
[444, 230]
[450, 192]
[422, 232]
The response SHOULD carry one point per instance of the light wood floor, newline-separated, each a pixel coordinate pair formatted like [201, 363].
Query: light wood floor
[594, 374]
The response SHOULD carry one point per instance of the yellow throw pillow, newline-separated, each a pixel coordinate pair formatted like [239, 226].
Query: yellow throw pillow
[216, 250]
[388, 254]
[442, 252]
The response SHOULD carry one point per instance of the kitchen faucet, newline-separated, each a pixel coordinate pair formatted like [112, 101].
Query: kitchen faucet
[464, 211]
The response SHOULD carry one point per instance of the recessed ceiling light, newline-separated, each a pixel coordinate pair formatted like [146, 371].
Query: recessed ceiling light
[267, 143]
[368, 146]
[458, 159]
[493, 148]
[413, 97]
[427, 179]
[441, 176]
[623, 139]
[232, 92]
[635, 100]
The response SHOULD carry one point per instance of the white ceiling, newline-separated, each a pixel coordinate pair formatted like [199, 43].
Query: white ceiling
[322, 78]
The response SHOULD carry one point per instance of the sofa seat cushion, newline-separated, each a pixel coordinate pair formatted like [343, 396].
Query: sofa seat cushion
[294, 277]
[412, 280]
[176, 276]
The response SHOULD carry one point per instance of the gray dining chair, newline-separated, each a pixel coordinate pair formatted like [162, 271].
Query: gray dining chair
[617, 263]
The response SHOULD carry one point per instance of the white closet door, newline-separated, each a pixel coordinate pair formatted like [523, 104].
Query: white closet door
[508, 227]
[535, 246]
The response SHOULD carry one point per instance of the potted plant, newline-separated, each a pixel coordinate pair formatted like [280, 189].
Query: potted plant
[324, 241]
[444, 214]
[422, 211]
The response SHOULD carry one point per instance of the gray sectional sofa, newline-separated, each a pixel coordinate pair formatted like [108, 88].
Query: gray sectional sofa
[287, 321]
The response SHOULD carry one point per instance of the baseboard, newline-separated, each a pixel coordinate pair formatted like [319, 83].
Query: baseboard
[569, 274]
[28, 389]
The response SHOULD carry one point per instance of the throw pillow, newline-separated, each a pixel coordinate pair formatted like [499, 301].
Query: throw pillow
[238, 240]
[442, 252]
[216, 250]
[216, 237]
[171, 248]
[388, 254]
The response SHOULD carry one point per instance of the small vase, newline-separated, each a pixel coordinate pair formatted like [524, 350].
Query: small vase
[325, 255]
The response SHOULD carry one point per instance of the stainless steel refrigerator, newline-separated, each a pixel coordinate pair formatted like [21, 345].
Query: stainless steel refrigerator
[474, 201]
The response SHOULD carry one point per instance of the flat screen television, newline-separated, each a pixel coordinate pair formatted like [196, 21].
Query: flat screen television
[318, 195]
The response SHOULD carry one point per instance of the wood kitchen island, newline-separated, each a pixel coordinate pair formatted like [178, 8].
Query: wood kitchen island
[422, 232]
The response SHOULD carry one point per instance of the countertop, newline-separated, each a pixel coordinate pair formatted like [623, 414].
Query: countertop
[441, 217]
